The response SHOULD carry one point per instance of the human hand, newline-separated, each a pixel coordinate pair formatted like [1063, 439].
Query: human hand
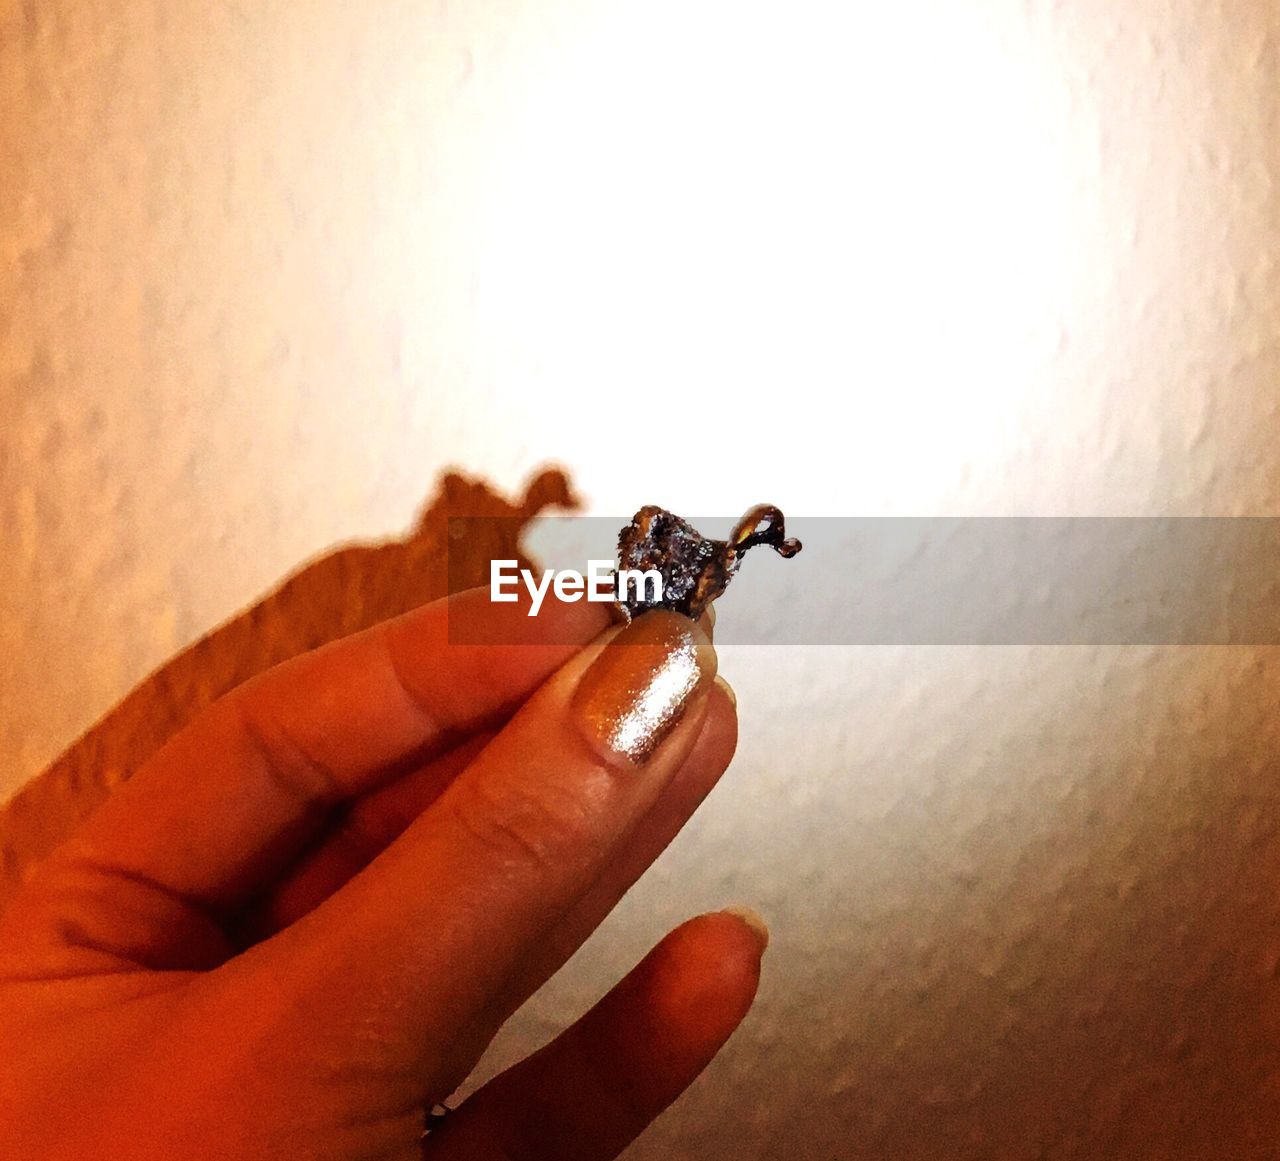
[303, 920]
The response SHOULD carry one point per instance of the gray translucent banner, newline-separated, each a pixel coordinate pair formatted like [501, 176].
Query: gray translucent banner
[968, 580]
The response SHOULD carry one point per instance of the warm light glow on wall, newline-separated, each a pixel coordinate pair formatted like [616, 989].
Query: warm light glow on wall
[819, 223]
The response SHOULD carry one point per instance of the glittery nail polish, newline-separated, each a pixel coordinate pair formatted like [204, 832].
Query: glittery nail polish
[635, 693]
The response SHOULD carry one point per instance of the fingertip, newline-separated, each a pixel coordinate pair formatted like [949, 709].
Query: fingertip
[718, 737]
[705, 977]
[754, 920]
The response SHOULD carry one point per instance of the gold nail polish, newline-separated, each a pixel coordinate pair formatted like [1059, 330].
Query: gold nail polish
[637, 690]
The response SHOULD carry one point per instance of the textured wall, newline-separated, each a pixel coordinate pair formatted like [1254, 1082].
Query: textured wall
[264, 269]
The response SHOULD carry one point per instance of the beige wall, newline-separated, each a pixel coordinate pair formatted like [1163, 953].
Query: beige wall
[266, 268]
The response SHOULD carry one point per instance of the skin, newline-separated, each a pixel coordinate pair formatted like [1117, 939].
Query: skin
[304, 919]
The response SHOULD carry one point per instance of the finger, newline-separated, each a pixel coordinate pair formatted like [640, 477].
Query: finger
[595, 1088]
[360, 831]
[232, 798]
[370, 824]
[506, 851]
[695, 779]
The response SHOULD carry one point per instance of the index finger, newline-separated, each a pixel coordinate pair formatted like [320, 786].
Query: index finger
[230, 799]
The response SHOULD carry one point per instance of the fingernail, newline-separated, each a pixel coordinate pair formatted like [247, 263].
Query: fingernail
[753, 920]
[637, 690]
[728, 690]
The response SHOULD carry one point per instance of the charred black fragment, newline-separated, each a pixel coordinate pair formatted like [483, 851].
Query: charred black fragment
[695, 569]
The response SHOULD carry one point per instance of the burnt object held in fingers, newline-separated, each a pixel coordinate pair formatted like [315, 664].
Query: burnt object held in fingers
[694, 568]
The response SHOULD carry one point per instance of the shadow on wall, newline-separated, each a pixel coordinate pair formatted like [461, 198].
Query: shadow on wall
[340, 593]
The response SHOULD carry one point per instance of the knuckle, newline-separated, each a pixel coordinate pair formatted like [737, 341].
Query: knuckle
[298, 774]
[545, 826]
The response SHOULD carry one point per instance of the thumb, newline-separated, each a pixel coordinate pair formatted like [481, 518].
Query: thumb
[421, 945]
